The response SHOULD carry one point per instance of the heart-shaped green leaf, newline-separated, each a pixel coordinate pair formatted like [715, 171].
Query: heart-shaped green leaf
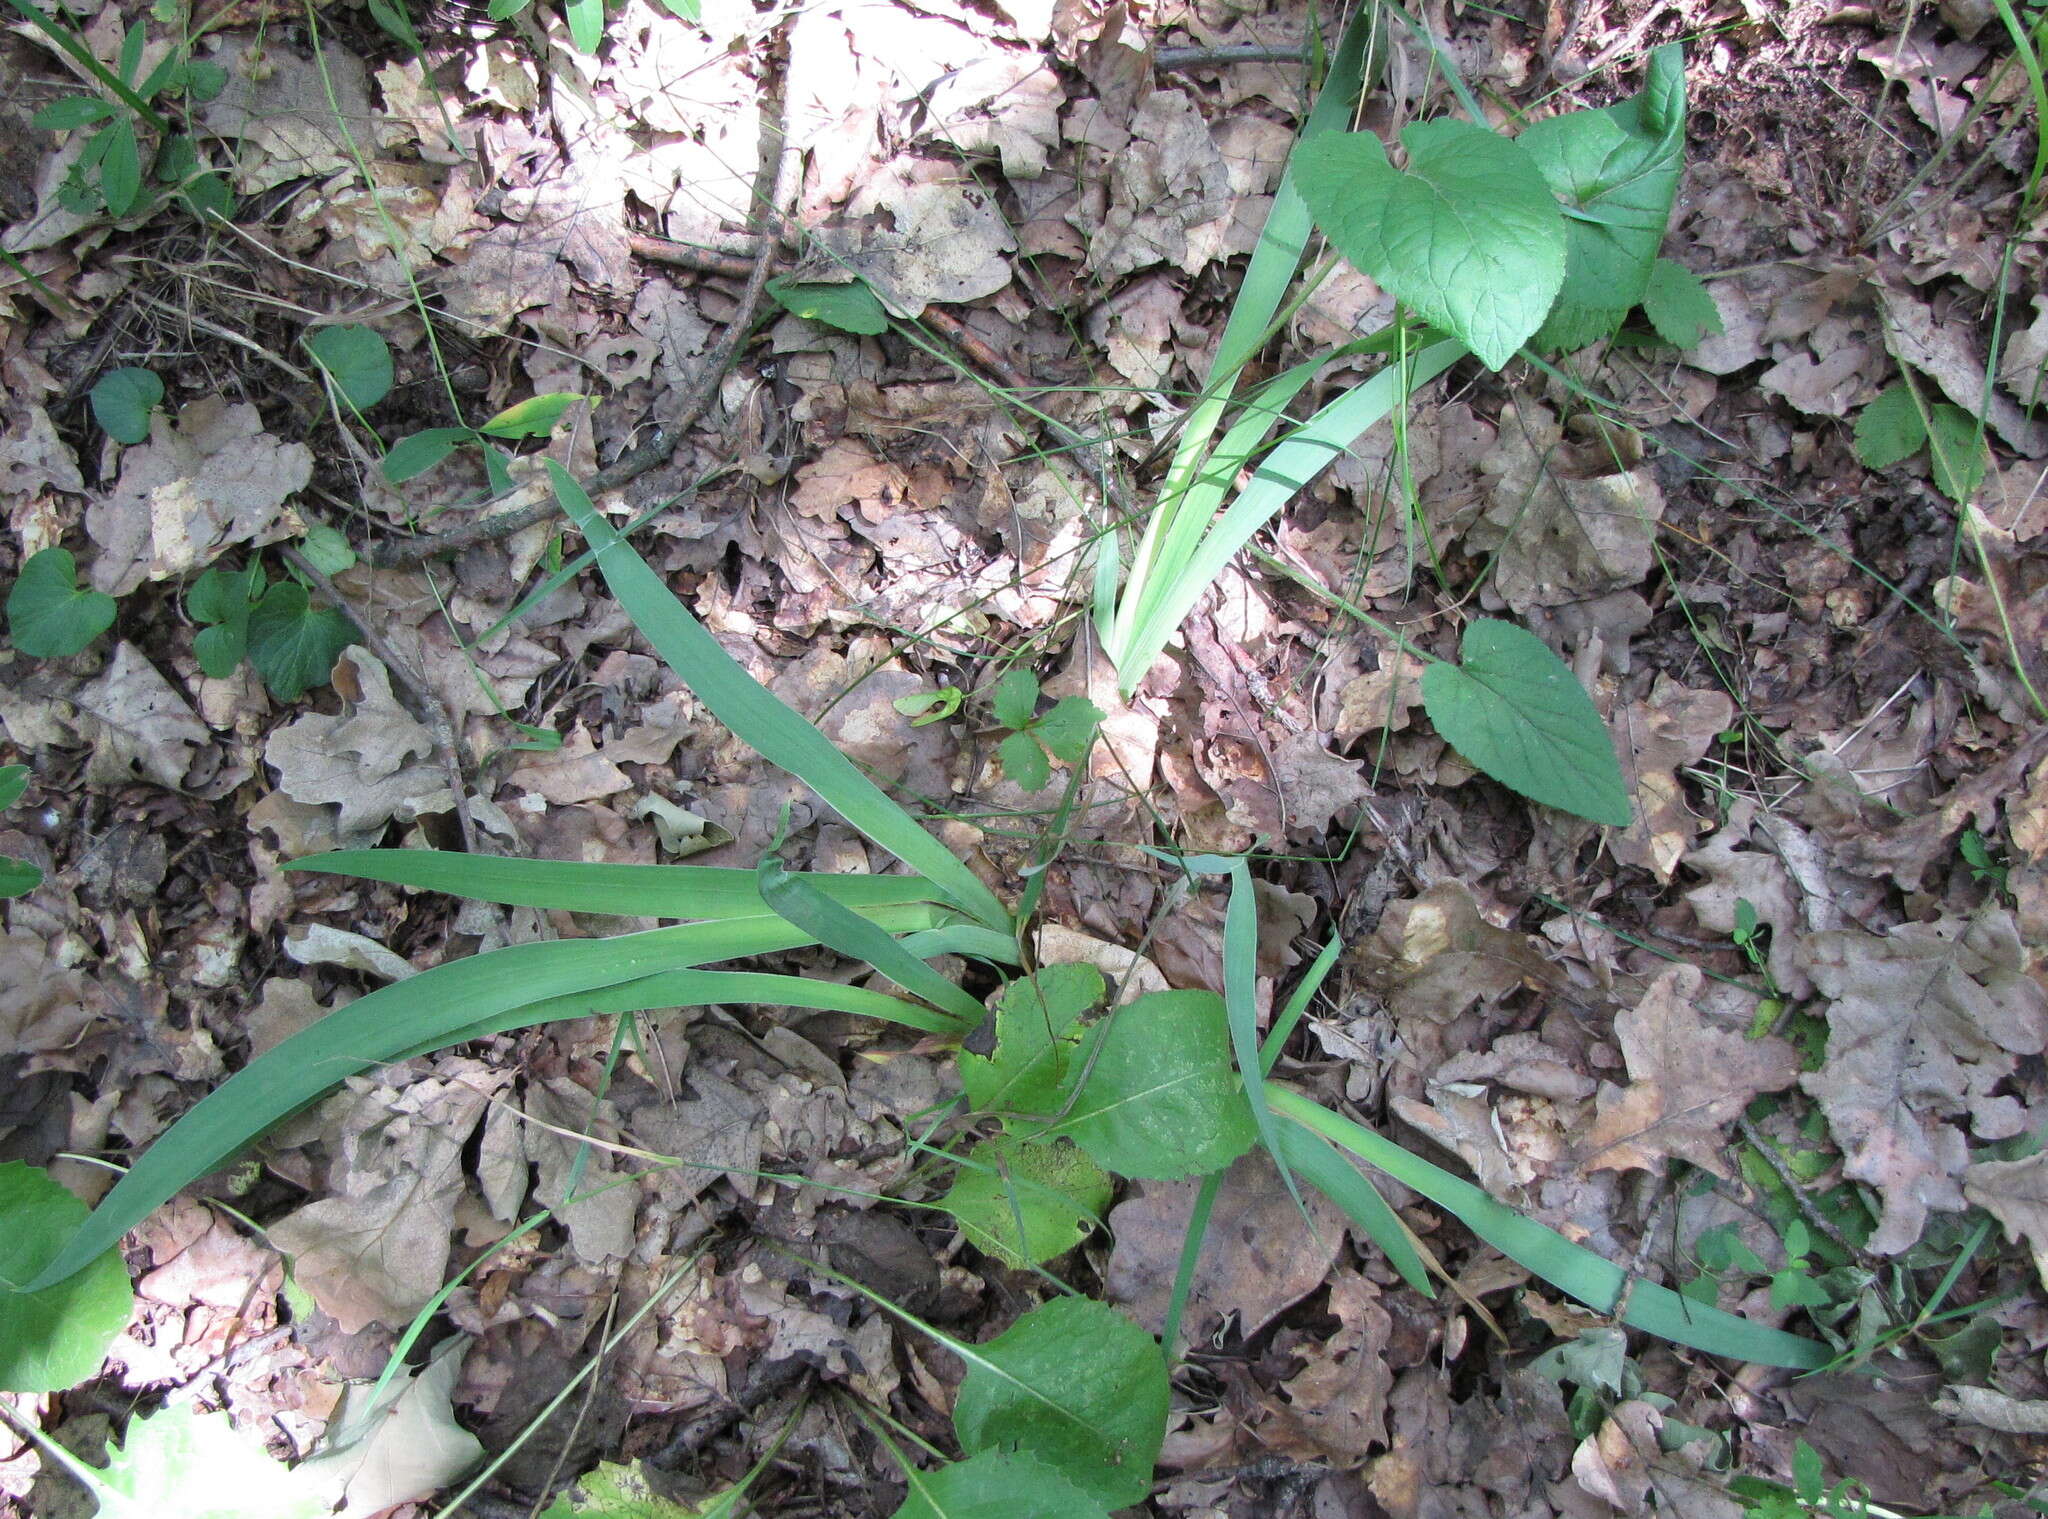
[294, 644]
[357, 360]
[1161, 1097]
[48, 614]
[1514, 710]
[122, 400]
[1469, 236]
[419, 452]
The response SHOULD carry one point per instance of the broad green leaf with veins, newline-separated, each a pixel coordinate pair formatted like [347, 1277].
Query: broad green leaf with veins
[1468, 235]
[996, 1485]
[1616, 172]
[1516, 711]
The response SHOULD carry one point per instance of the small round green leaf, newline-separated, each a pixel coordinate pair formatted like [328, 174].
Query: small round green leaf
[1024, 761]
[327, 549]
[18, 877]
[13, 782]
[221, 595]
[56, 1338]
[533, 418]
[1515, 710]
[1162, 1097]
[1016, 698]
[851, 308]
[995, 1485]
[122, 401]
[1078, 1385]
[1679, 305]
[70, 113]
[413, 456]
[48, 615]
[294, 644]
[357, 360]
[204, 80]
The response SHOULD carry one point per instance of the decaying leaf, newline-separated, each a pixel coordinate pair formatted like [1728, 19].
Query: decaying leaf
[372, 763]
[213, 480]
[2015, 1192]
[1434, 956]
[135, 723]
[1922, 1026]
[1688, 1081]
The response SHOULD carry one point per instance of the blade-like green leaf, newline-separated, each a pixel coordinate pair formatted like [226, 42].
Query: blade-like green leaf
[534, 417]
[1515, 710]
[840, 928]
[415, 454]
[1161, 1098]
[48, 615]
[120, 167]
[426, 1012]
[1241, 1010]
[635, 891]
[1571, 1268]
[1468, 236]
[776, 732]
[1306, 452]
[69, 112]
[1616, 170]
[1338, 1180]
[850, 308]
[1077, 1384]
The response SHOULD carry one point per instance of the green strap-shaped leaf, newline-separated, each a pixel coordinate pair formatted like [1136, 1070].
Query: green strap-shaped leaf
[426, 1012]
[779, 734]
[637, 891]
[1597, 1283]
[1468, 236]
[840, 928]
[1515, 710]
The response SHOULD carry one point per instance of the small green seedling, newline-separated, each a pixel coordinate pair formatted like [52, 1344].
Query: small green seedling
[291, 643]
[1896, 426]
[585, 18]
[926, 707]
[1809, 1497]
[1064, 733]
[1984, 867]
[108, 173]
[51, 616]
[413, 456]
[123, 400]
[17, 877]
[356, 361]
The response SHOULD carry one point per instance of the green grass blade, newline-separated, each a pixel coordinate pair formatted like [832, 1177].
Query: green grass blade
[1297, 1004]
[773, 729]
[650, 891]
[1190, 1257]
[841, 928]
[1338, 1180]
[1292, 464]
[426, 1011]
[1241, 1013]
[962, 939]
[1594, 1281]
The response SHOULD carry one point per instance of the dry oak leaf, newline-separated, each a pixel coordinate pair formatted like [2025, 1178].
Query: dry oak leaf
[2015, 1192]
[1735, 873]
[376, 1249]
[1922, 1024]
[1674, 728]
[45, 1009]
[1688, 1081]
[574, 772]
[1904, 850]
[212, 480]
[278, 110]
[136, 725]
[1434, 956]
[1337, 1405]
[372, 763]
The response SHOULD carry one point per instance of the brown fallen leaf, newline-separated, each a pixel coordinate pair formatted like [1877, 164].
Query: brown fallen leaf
[1261, 1258]
[2015, 1192]
[1660, 736]
[1922, 1024]
[371, 764]
[1336, 1407]
[1434, 956]
[133, 720]
[1688, 1081]
[199, 486]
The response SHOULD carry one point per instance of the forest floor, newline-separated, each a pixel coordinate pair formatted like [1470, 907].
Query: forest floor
[1821, 680]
